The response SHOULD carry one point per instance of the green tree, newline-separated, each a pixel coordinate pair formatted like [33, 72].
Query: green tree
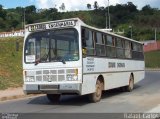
[147, 10]
[1, 7]
[89, 6]
[2, 12]
[19, 10]
[62, 7]
[30, 9]
[2, 24]
[53, 10]
[131, 7]
[95, 5]
[14, 23]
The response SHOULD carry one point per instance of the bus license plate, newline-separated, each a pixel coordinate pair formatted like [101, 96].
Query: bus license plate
[49, 87]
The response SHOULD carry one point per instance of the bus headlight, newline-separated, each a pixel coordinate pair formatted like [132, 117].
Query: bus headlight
[72, 77]
[29, 79]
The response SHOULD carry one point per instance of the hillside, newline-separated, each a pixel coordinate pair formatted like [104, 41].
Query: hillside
[124, 17]
[10, 63]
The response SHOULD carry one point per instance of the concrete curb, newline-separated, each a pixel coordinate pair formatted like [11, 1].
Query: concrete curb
[150, 69]
[14, 93]
[11, 97]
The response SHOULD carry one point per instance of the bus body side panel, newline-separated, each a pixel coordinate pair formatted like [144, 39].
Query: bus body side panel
[138, 76]
[88, 85]
[92, 68]
[116, 72]
[118, 75]
[115, 80]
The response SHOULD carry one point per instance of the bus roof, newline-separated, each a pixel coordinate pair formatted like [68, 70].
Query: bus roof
[69, 22]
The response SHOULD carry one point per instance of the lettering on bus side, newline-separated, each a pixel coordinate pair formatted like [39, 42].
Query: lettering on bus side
[111, 65]
[114, 65]
[90, 64]
[120, 65]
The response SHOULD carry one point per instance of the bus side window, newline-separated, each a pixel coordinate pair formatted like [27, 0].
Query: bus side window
[90, 44]
[142, 54]
[83, 37]
[140, 51]
[127, 49]
[87, 41]
[134, 51]
[110, 46]
[100, 46]
[120, 47]
[137, 52]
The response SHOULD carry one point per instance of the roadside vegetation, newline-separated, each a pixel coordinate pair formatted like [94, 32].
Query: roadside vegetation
[152, 59]
[10, 62]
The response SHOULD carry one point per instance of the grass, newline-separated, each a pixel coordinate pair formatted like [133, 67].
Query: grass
[10, 63]
[152, 59]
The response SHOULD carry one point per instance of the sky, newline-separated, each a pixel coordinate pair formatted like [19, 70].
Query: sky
[72, 5]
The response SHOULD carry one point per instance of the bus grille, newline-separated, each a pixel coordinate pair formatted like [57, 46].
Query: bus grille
[51, 75]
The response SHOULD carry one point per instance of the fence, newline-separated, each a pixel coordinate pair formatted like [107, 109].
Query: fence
[151, 46]
[12, 34]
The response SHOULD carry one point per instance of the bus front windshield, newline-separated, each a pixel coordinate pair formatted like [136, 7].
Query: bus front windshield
[52, 46]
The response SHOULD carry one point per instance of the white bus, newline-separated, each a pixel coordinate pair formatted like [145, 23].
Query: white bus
[69, 57]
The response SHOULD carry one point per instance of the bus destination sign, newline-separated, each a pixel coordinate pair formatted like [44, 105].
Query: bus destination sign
[51, 25]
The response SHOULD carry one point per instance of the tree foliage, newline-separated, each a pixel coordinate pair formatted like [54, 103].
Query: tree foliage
[89, 6]
[96, 5]
[122, 16]
[62, 7]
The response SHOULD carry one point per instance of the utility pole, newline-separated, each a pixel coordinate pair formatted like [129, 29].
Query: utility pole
[109, 16]
[24, 18]
[156, 37]
[23, 21]
[106, 22]
[131, 32]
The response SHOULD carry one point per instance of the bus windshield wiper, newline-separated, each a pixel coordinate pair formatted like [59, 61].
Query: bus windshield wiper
[63, 61]
[37, 61]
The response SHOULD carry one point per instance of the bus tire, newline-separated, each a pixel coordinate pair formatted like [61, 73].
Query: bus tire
[53, 98]
[130, 86]
[96, 96]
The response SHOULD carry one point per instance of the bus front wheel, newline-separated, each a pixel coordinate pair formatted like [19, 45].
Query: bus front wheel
[54, 98]
[96, 96]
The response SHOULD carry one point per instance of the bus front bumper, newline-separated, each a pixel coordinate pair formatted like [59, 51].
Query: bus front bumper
[52, 89]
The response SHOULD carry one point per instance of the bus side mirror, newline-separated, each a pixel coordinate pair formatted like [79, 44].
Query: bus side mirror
[84, 52]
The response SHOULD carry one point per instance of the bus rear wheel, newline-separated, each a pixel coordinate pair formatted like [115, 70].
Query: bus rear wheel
[53, 98]
[96, 96]
[130, 86]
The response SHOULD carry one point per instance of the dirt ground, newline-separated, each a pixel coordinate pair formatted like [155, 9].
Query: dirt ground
[11, 93]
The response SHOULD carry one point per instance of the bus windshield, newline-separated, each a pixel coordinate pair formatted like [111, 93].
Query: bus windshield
[52, 46]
